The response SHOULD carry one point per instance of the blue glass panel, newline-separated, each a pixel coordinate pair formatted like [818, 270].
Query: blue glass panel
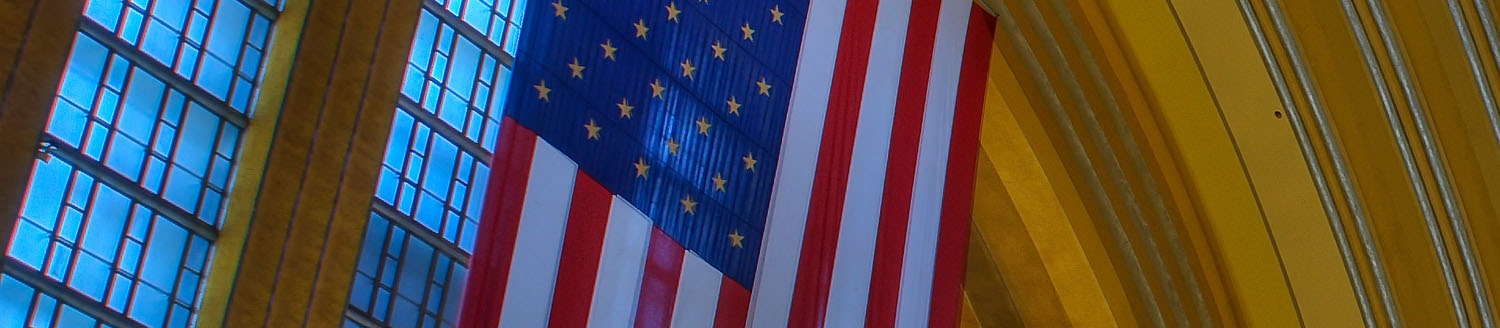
[457, 86]
[434, 181]
[106, 223]
[155, 126]
[70, 317]
[150, 306]
[43, 311]
[226, 36]
[107, 252]
[17, 304]
[90, 275]
[164, 255]
[489, 17]
[395, 285]
[85, 68]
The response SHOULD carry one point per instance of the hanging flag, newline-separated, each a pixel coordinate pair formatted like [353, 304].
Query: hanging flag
[697, 163]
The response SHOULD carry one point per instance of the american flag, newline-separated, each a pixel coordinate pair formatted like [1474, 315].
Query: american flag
[726, 163]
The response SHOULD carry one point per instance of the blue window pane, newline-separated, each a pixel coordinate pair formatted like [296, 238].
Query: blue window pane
[226, 36]
[142, 106]
[90, 276]
[70, 317]
[155, 126]
[489, 17]
[105, 12]
[88, 238]
[432, 180]
[44, 309]
[16, 305]
[164, 255]
[150, 306]
[85, 68]
[458, 86]
[228, 31]
[106, 223]
[404, 282]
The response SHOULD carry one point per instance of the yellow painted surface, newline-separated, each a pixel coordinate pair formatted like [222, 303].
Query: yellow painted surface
[1042, 213]
[1203, 148]
[254, 150]
[1250, 106]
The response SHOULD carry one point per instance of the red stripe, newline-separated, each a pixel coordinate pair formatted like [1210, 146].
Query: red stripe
[659, 286]
[901, 167]
[583, 241]
[820, 239]
[506, 192]
[734, 305]
[958, 193]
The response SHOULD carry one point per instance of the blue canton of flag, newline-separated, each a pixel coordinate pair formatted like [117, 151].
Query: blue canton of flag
[678, 107]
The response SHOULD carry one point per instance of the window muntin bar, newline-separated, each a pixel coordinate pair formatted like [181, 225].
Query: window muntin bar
[403, 281]
[455, 79]
[218, 44]
[104, 245]
[428, 178]
[436, 165]
[137, 126]
[499, 20]
[120, 219]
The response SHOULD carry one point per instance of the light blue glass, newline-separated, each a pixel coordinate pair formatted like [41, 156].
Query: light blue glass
[70, 317]
[164, 256]
[420, 295]
[416, 263]
[90, 275]
[489, 17]
[227, 37]
[459, 81]
[106, 224]
[17, 304]
[91, 243]
[149, 306]
[136, 135]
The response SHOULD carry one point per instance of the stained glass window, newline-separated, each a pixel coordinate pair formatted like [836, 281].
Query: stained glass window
[122, 211]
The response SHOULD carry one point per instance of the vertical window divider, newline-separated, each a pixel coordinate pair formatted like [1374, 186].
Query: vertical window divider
[102, 35]
[442, 128]
[62, 151]
[66, 295]
[422, 233]
[469, 32]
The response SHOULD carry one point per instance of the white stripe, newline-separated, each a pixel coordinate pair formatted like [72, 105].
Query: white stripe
[539, 239]
[781, 247]
[849, 293]
[627, 236]
[932, 166]
[697, 293]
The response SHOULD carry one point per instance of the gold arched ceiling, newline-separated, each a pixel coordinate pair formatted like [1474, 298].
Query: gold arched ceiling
[1265, 163]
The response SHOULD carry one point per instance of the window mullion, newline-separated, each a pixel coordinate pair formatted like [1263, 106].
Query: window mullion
[422, 233]
[61, 150]
[263, 8]
[359, 317]
[66, 295]
[467, 31]
[443, 129]
[171, 78]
